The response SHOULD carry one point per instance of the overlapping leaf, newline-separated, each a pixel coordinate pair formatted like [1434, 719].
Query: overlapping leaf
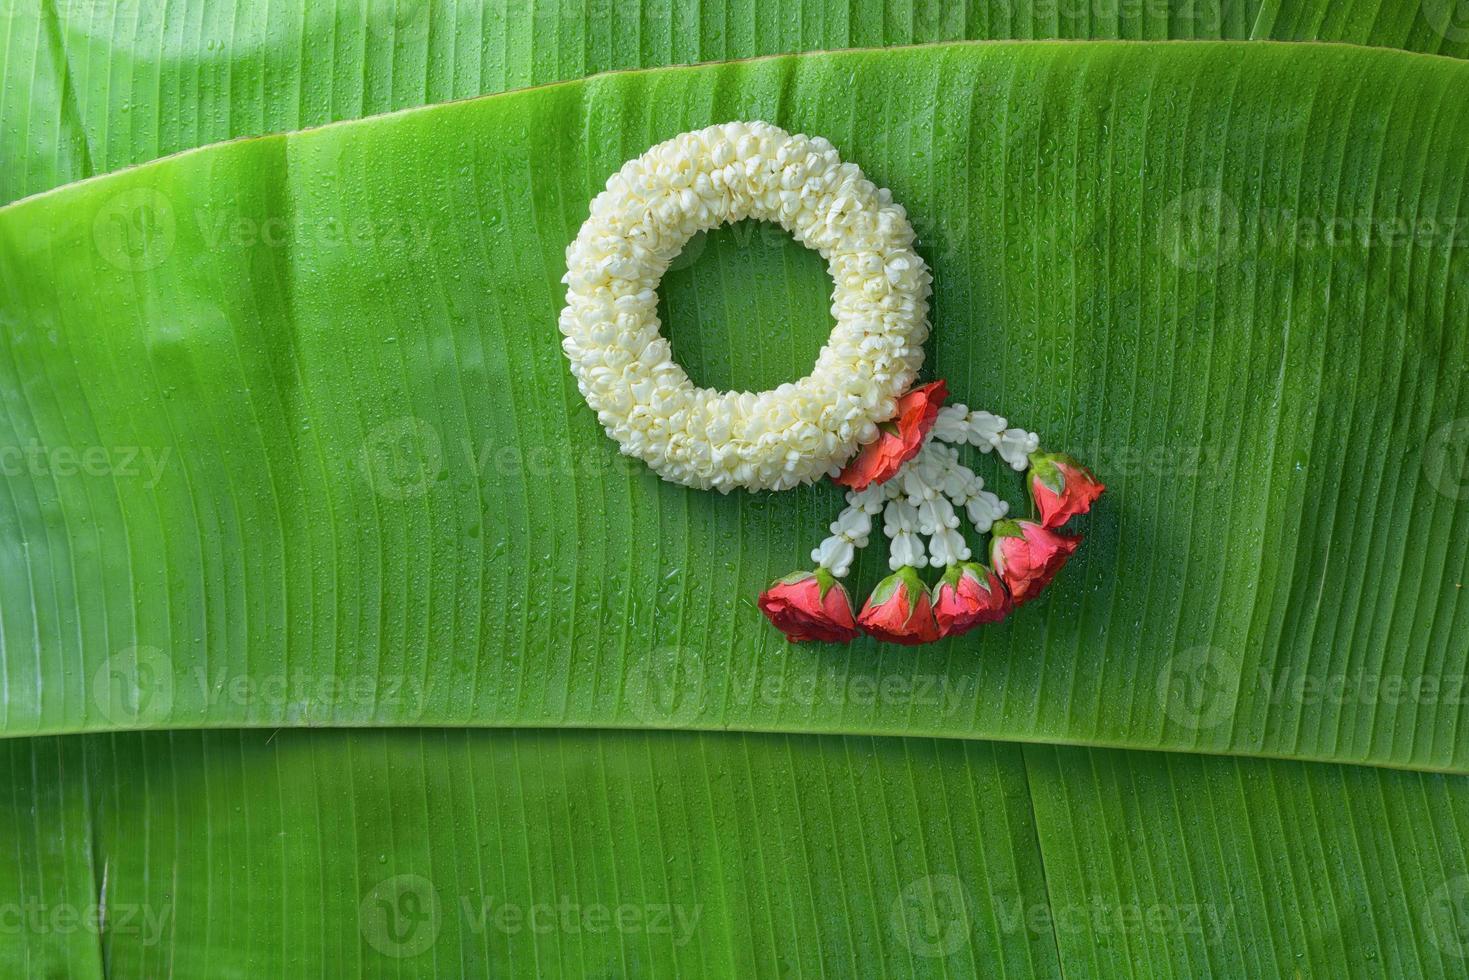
[342, 474]
[87, 87]
[471, 853]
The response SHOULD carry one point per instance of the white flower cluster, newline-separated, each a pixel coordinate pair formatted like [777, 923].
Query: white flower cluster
[769, 440]
[924, 499]
[957, 424]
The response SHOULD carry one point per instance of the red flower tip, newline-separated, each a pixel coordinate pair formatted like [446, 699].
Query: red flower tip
[900, 610]
[1026, 556]
[1061, 487]
[898, 440]
[809, 606]
[969, 595]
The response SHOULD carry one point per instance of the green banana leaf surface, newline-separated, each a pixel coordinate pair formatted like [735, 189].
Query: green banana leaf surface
[92, 86]
[466, 853]
[289, 443]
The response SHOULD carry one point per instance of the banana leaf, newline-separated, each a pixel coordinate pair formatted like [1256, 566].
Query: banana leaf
[290, 442]
[87, 87]
[1430, 26]
[330, 466]
[617, 854]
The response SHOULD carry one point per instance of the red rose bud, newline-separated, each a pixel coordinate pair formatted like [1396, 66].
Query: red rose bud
[969, 595]
[1061, 487]
[810, 606]
[900, 610]
[897, 440]
[1027, 556]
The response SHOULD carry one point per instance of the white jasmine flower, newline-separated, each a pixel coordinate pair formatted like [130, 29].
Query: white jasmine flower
[835, 555]
[1015, 447]
[952, 424]
[869, 500]
[984, 508]
[947, 547]
[854, 522]
[906, 549]
[985, 429]
[936, 514]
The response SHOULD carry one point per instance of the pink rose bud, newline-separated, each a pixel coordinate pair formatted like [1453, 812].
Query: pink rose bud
[898, 440]
[969, 595]
[1061, 487]
[900, 610]
[809, 606]
[1027, 556]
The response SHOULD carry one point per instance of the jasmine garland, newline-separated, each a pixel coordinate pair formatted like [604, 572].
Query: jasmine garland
[856, 417]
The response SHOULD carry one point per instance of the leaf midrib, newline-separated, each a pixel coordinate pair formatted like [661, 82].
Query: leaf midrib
[744, 729]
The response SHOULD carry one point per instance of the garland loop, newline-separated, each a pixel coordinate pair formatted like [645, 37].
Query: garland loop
[768, 440]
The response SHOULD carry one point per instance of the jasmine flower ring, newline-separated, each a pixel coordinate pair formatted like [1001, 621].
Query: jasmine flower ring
[768, 440]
